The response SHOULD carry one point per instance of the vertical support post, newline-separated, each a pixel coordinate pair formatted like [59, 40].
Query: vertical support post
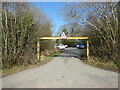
[38, 49]
[87, 49]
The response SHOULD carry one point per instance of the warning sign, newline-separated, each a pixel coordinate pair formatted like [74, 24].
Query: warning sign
[63, 36]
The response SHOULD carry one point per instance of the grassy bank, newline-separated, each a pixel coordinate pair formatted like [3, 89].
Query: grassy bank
[15, 69]
[103, 64]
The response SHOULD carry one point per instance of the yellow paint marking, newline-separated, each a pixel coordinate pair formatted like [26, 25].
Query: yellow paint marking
[67, 38]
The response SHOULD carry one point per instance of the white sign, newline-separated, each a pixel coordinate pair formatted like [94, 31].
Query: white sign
[63, 36]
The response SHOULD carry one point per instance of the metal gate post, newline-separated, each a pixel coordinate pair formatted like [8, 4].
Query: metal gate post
[38, 49]
[87, 49]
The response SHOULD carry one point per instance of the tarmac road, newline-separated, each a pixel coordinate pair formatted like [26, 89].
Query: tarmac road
[64, 71]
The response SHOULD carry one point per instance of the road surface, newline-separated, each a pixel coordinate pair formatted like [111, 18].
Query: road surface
[64, 71]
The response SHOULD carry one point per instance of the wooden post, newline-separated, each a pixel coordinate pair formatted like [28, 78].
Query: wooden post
[38, 49]
[87, 49]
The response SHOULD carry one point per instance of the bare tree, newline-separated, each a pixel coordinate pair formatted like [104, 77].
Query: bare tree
[102, 20]
[22, 24]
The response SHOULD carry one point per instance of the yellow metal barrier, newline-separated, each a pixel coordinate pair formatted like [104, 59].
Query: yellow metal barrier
[87, 44]
[38, 49]
[87, 49]
[67, 38]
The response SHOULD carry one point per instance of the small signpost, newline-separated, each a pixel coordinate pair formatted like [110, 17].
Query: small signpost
[63, 36]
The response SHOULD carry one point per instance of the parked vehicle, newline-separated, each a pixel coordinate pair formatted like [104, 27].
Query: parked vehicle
[82, 46]
[76, 45]
[66, 46]
[61, 47]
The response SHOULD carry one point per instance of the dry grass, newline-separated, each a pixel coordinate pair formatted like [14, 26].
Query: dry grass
[104, 64]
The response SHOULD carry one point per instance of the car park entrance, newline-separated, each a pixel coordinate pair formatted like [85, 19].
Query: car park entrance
[63, 37]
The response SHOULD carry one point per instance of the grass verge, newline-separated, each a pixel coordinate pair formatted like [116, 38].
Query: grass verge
[103, 64]
[15, 69]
